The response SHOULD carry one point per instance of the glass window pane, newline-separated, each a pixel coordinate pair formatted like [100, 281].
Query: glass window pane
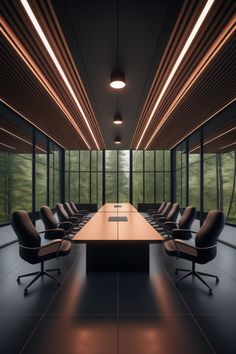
[137, 188]
[149, 187]
[74, 160]
[159, 160]
[84, 187]
[167, 186]
[74, 186]
[100, 180]
[149, 160]
[210, 183]
[93, 187]
[94, 160]
[123, 160]
[123, 187]
[167, 162]
[84, 160]
[138, 160]
[111, 187]
[111, 160]
[159, 187]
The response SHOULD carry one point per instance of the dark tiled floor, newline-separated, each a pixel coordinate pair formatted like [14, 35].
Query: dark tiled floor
[117, 313]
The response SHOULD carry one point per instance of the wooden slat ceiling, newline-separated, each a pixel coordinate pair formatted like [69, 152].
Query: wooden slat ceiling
[14, 139]
[31, 83]
[203, 85]
[214, 88]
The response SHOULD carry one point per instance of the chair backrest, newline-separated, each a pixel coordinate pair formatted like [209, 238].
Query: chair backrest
[186, 220]
[167, 209]
[25, 231]
[68, 209]
[48, 218]
[162, 207]
[211, 229]
[62, 214]
[73, 207]
[174, 212]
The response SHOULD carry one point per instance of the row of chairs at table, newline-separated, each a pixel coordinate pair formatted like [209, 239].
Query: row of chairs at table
[60, 232]
[178, 236]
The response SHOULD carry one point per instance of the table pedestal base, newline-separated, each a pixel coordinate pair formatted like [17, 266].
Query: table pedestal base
[122, 257]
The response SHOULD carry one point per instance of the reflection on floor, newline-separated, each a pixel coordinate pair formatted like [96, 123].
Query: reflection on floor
[117, 312]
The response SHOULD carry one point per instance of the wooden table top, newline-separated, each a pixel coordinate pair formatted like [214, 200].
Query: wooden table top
[136, 228]
[117, 207]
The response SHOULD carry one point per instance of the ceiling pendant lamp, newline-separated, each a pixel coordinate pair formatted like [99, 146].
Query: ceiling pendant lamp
[117, 119]
[117, 140]
[117, 77]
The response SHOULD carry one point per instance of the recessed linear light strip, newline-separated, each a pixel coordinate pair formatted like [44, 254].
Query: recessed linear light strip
[8, 146]
[224, 147]
[215, 48]
[215, 138]
[39, 75]
[190, 39]
[203, 123]
[56, 62]
[18, 137]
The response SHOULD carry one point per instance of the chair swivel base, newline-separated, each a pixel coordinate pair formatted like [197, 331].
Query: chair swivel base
[193, 272]
[39, 274]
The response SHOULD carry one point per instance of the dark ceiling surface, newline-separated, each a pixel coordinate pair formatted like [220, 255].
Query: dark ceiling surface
[90, 30]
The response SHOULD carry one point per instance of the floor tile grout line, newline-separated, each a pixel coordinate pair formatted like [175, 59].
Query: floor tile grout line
[190, 312]
[43, 315]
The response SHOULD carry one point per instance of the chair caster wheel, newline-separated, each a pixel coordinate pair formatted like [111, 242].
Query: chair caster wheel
[18, 280]
[58, 284]
[217, 280]
[25, 292]
[210, 292]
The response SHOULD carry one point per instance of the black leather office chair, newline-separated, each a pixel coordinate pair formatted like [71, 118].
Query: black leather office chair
[76, 210]
[205, 247]
[50, 223]
[164, 213]
[30, 248]
[63, 216]
[82, 218]
[156, 211]
[181, 229]
[172, 216]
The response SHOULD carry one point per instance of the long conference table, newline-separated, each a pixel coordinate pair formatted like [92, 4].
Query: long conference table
[117, 238]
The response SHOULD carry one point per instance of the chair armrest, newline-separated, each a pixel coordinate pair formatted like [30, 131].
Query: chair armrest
[182, 246]
[51, 230]
[73, 219]
[182, 233]
[51, 247]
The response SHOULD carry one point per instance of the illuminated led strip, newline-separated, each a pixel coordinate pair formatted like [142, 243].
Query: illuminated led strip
[56, 62]
[39, 75]
[18, 137]
[8, 146]
[203, 123]
[223, 147]
[189, 41]
[215, 138]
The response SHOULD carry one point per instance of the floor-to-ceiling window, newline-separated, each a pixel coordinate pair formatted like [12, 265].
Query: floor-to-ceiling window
[205, 171]
[117, 176]
[30, 170]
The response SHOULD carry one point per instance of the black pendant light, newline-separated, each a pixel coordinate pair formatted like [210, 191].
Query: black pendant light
[117, 77]
[117, 140]
[117, 118]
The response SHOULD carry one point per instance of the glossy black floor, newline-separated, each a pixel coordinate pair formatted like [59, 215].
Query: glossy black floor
[109, 313]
